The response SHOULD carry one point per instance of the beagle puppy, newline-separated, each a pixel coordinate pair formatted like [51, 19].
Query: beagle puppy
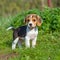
[27, 32]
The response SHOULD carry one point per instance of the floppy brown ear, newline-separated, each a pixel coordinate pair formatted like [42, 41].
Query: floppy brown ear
[39, 21]
[25, 20]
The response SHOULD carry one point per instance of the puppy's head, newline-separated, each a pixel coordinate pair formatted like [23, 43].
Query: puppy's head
[33, 20]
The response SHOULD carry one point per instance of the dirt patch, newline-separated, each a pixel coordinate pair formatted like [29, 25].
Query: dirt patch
[7, 56]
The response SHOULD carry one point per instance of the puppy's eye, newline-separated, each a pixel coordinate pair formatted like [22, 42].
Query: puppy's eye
[34, 20]
[28, 20]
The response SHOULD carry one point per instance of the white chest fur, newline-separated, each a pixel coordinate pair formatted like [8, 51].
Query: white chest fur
[31, 34]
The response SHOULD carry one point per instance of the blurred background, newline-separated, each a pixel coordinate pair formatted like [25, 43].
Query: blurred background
[12, 7]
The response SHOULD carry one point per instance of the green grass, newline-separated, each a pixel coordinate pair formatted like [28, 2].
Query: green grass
[47, 48]
[48, 41]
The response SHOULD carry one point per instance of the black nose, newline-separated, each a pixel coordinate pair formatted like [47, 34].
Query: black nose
[30, 24]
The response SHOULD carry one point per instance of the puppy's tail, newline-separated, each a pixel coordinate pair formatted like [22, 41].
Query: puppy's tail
[10, 28]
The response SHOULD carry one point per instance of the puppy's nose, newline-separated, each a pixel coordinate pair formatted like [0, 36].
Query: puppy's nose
[30, 24]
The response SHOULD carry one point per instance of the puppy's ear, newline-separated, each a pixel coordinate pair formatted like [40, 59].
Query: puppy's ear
[39, 21]
[25, 20]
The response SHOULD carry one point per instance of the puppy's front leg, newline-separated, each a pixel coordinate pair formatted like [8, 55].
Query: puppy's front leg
[34, 42]
[27, 42]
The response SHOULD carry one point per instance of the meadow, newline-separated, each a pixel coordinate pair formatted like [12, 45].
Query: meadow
[48, 41]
